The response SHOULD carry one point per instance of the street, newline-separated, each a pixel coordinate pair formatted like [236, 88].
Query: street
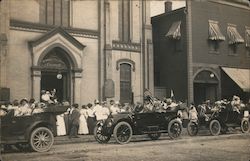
[229, 147]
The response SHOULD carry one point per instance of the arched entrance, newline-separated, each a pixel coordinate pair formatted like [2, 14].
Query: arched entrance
[205, 87]
[56, 73]
[57, 54]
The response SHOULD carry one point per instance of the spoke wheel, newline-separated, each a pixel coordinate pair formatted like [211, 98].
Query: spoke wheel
[174, 129]
[99, 136]
[215, 127]
[244, 126]
[123, 132]
[192, 128]
[41, 139]
[154, 136]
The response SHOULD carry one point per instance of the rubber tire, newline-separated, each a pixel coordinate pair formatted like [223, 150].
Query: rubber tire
[115, 132]
[210, 127]
[190, 130]
[172, 122]
[154, 136]
[98, 139]
[247, 126]
[33, 135]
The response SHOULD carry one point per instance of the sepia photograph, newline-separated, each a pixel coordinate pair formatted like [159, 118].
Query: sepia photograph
[124, 80]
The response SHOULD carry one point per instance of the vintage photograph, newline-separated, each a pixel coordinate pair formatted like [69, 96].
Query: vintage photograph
[124, 80]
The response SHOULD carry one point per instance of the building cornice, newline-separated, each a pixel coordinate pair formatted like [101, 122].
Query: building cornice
[126, 46]
[169, 13]
[42, 28]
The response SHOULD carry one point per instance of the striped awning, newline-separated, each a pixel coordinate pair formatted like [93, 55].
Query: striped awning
[174, 31]
[214, 32]
[233, 35]
[248, 38]
[240, 76]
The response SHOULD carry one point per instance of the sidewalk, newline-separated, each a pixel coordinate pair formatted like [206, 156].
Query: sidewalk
[202, 135]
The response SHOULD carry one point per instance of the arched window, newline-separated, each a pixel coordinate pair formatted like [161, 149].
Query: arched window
[125, 83]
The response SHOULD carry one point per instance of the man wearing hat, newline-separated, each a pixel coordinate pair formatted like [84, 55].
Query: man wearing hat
[236, 103]
[114, 109]
[101, 112]
[74, 121]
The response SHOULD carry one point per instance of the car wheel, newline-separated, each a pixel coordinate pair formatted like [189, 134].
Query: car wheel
[215, 127]
[192, 128]
[154, 136]
[244, 126]
[123, 132]
[99, 136]
[174, 129]
[41, 139]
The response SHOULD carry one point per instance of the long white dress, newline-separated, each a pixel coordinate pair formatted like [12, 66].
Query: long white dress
[83, 127]
[61, 129]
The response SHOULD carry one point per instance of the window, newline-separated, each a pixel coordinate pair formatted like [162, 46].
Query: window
[214, 36]
[174, 34]
[124, 20]
[234, 38]
[54, 12]
[125, 83]
[175, 31]
[214, 46]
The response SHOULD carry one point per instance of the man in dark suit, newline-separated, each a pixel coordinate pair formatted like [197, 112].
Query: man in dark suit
[74, 120]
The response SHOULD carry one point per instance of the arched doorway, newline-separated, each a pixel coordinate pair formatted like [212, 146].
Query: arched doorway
[56, 73]
[205, 87]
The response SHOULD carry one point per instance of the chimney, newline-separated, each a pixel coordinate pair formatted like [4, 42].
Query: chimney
[168, 6]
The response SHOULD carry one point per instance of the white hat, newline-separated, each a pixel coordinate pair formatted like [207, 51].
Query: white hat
[96, 101]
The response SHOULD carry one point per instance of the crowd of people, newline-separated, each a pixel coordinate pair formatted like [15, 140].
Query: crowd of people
[76, 120]
[236, 104]
[82, 119]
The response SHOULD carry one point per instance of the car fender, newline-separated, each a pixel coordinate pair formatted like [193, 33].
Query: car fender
[178, 120]
[129, 121]
[38, 124]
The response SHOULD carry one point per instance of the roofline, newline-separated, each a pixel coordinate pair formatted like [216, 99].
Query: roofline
[62, 32]
[241, 5]
[168, 13]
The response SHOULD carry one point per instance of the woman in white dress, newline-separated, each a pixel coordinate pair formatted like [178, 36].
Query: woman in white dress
[60, 124]
[83, 127]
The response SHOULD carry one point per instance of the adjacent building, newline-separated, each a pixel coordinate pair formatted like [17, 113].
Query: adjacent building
[85, 49]
[202, 51]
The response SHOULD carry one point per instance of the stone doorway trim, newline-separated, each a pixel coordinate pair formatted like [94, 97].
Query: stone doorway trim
[57, 38]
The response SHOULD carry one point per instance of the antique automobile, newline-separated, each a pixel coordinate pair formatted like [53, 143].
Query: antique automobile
[36, 130]
[218, 121]
[202, 122]
[123, 125]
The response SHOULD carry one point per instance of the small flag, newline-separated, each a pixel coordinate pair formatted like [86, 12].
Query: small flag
[171, 93]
